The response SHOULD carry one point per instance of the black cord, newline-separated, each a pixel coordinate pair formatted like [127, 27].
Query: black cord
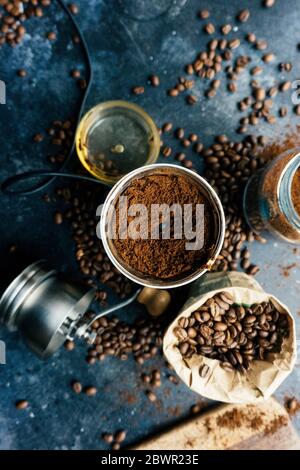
[39, 174]
[10, 182]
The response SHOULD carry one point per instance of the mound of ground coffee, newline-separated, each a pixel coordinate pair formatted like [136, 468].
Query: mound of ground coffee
[165, 258]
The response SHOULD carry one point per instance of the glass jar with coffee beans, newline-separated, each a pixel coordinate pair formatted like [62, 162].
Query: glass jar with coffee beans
[272, 198]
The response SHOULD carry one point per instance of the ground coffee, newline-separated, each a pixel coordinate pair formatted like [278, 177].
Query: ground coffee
[165, 258]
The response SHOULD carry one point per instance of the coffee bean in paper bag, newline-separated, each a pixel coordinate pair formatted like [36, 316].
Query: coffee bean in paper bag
[248, 370]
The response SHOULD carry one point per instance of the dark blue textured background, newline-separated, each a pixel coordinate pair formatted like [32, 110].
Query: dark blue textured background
[125, 50]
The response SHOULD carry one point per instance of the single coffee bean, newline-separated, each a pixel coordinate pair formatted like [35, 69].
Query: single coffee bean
[167, 127]
[220, 326]
[108, 437]
[69, 345]
[58, 218]
[268, 3]
[120, 436]
[226, 28]
[73, 8]
[209, 28]
[243, 16]
[22, 404]
[179, 133]
[90, 391]
[173, 92]
[154, 80]
[203, 14]
[51, 36]
[191, 99]
[151, 396]
[138, 90]
[203, 370]
[285, 86]
[22, 73]
[268, 57]
[77, 387]
[227, 366]
[195, 409]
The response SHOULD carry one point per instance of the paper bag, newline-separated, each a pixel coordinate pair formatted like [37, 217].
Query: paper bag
[262, 377]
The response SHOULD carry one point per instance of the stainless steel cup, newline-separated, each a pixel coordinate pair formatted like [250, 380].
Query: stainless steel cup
[119, 188]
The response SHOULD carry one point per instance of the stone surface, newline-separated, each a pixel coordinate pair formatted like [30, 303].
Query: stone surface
[127, 45]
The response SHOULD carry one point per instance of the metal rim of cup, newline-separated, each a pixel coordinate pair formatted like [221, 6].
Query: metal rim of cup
[119, 188]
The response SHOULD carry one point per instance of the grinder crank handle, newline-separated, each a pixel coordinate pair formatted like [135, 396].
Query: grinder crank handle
[156, 302]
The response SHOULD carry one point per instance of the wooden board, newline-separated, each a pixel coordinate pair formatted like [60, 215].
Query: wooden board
[264, 426]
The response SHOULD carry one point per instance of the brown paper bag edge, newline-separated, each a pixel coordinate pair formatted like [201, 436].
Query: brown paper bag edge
[231, 387]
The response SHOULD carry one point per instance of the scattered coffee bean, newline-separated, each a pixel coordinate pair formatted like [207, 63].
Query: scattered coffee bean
[138, 90]
[243, 16]
[261, 44]
[22, 73]
[256, 70]
[22, 404]
[283, 111]
[191, 99]
[38, 138]
[90, 391]
[209, 28]
[167, 127]
[51, 36]
[226, 28]
[195, 409]
[179, 133]
[75, 73]
[285, 86]
[297, 110]
[234, 43]
[259, 94]
[203, 14]
[73, 8]
[250, 37]
[69, 345]
[120, 436]
[173, 92]
[268, 3]
[154, 80]
[285, 66]
[232, 87]
[108, 437]
[151, 396]
[253, 270]
[167, 151]
[58, 218]
[77, 387]
[268, 57]
[180, 156]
